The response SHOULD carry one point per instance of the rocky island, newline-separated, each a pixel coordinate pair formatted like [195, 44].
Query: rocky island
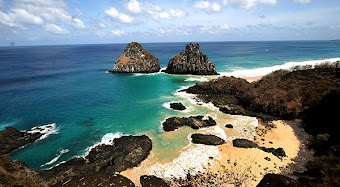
[136, 59]
[191, 61]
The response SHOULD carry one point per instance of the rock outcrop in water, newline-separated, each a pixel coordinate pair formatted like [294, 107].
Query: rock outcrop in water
[124, 153]
[191, 61]
[136, 59]
[177, 106]
[194, 122]
[12, 139]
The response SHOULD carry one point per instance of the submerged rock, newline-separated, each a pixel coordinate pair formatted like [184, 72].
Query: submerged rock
[191, 61]
[125, 152]
[177, 106]
[136, 59]
[244, 143]
[270, 180]
[194, 122]
[12, 139]
[153, 181]
[206, 139]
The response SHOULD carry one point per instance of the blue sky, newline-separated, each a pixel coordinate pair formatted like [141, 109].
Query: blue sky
[50, 22]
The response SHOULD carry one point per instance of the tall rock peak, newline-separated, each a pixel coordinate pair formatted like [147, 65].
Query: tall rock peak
[191, 61]
[136, 59]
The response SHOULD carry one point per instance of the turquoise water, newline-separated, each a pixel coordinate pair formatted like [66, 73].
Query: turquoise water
[67, 85]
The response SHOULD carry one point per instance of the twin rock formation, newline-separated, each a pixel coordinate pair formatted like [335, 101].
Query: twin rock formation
[136, 59]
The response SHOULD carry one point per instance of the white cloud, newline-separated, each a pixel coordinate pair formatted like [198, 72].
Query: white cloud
[207, 6]
[302, 1]
[134, 7]
[118, 32]
[78, 24]
[225, 27]
[116, 15]
[248, 4]
[100, 34]
[19, 18]
[55, 29]
[112, 12]
[177, 13]
[22, 13]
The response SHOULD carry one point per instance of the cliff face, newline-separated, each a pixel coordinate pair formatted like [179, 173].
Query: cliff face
[191, 61]
[136, 59]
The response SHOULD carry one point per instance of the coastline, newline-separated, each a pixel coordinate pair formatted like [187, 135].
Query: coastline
[282, 135]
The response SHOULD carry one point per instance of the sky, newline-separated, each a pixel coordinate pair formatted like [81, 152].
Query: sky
[57, 22]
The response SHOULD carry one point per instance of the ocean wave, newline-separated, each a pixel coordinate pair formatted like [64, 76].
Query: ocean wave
[266, 70]
[107, 139]
[196, 157]
[55, 159]
[45, 130]
[148, 74]
[202, 79]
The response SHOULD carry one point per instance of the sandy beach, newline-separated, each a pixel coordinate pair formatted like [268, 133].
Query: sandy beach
[252, 161]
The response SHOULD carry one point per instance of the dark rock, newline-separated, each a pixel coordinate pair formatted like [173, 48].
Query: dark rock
[94, 180]
[244, 143]
[191, 61]
[125, 152]
[177, 106]
[276, 180]
[152, 181]
[136, 59]
[12, 139]
[279, 152]
[206, 139]
[194, 122]
[267, 158]
[230, 126]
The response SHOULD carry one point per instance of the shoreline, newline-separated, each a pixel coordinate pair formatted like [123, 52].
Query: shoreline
[282, 134]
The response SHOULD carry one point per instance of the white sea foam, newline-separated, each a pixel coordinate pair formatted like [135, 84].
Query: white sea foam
[46, 130]
[202, 79]
[107, 139]
[215, 130]
[195, 157]
[266, 70]
[245, 125]
[55, 159]
[147, 74]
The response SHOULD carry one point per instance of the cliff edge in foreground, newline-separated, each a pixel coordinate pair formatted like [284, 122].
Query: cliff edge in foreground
[191, 61]
[136, 59]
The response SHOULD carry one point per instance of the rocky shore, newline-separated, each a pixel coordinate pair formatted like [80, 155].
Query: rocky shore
[99, 165]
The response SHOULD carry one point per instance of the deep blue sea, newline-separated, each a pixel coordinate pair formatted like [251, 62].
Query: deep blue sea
[68, 85]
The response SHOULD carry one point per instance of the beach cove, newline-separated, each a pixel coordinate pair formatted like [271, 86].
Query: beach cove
[173, 154]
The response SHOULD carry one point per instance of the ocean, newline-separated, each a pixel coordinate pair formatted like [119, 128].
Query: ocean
[69, 86]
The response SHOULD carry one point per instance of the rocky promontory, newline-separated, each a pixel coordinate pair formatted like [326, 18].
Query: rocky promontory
[124, 152]
[136, 59]
[12, 139]
[191, 61]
